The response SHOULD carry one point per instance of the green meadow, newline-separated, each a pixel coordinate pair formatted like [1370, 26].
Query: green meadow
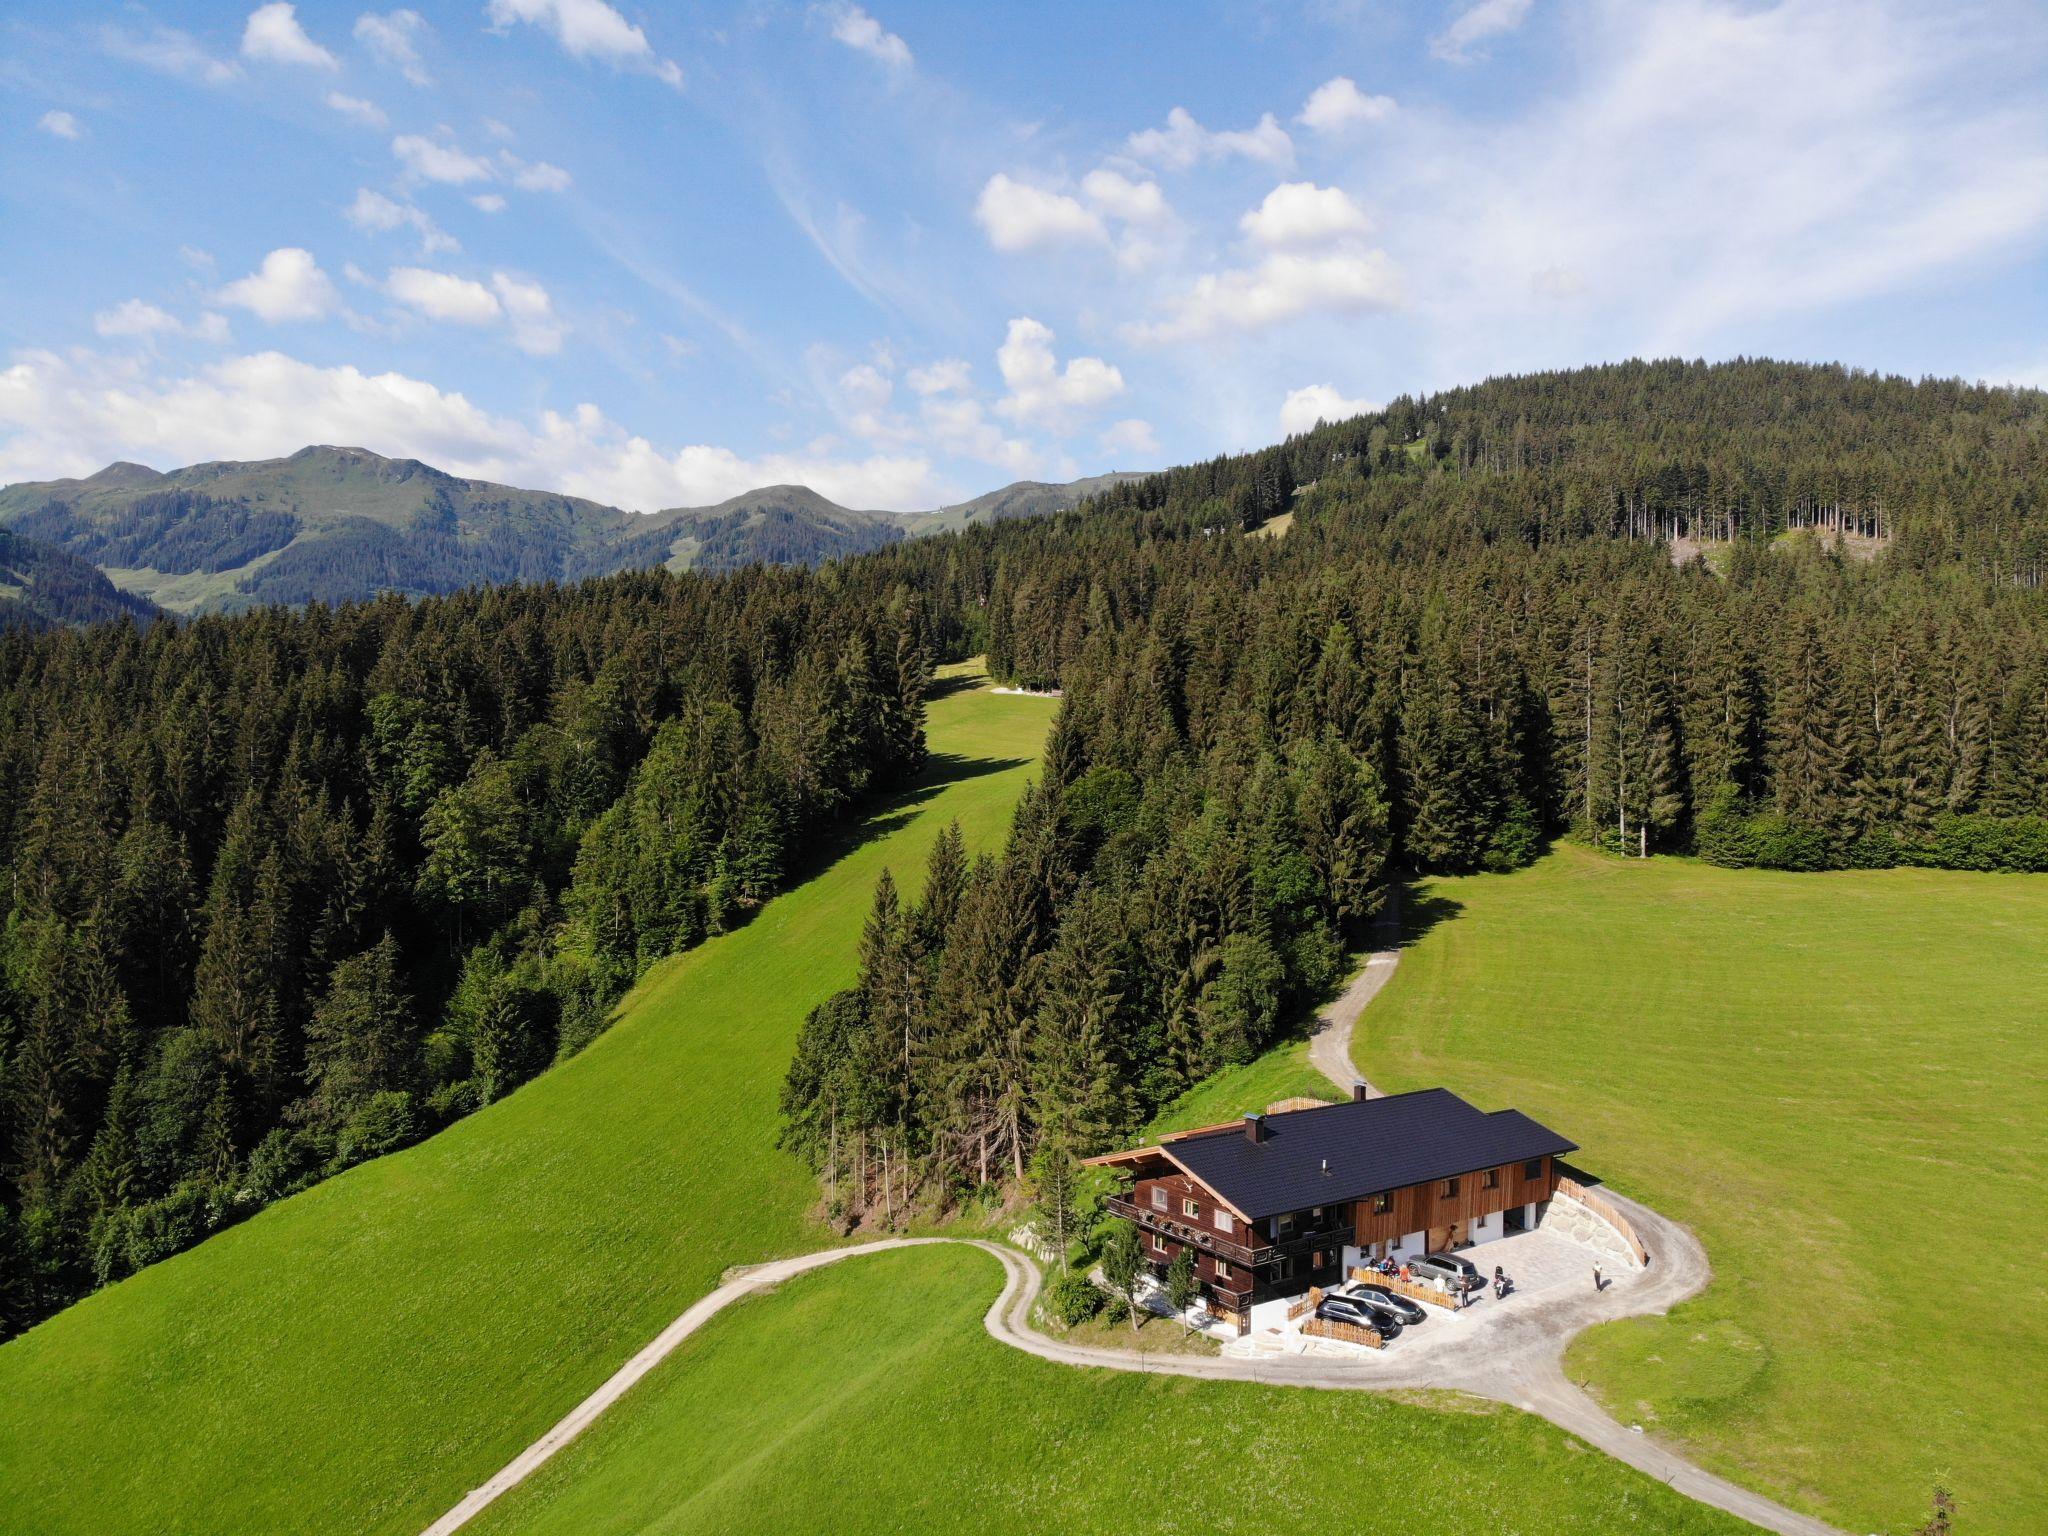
[869, 1398]
[356, 1357]
[1840, 1082]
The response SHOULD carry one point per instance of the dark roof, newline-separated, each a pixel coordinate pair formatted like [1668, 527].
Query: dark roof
[1370, 1144]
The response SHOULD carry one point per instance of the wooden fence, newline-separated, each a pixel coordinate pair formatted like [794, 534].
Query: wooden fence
[1349, 1333]
[1604, 1209]
[1414, 1290]
[1304, 1305]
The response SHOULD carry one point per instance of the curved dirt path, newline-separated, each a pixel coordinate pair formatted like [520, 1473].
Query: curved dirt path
[1329, 1048]
[1516, 1359]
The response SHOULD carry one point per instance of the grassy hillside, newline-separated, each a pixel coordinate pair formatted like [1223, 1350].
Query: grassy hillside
[868, 1398]
[356, 1357]
[1841, 1083]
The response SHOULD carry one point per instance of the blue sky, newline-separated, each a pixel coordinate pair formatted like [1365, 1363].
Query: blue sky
[660, 254]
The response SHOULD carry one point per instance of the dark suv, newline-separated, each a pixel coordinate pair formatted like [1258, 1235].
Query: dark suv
[1455, 1272]
[1360, 1312]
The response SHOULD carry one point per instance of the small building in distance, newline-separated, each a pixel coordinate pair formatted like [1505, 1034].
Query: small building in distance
[1298, 1197]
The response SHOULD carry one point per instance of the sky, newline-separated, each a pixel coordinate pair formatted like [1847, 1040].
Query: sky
[661, 254]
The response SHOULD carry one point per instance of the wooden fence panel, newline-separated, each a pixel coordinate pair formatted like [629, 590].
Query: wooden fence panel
[1349, 1333]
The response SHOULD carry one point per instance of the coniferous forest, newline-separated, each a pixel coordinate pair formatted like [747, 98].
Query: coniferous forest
[291, 889]
[1773, 615]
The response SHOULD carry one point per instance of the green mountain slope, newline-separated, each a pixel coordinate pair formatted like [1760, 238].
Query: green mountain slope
[1840, 1083]
[357, 1356]
[332, 524]
[1026, 498]
[834, 1404]
[41, 585]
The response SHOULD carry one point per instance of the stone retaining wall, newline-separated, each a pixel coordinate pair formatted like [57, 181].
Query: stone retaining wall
[1570, 1218]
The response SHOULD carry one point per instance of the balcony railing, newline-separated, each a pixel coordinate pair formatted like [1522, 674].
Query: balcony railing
[1208, 1240]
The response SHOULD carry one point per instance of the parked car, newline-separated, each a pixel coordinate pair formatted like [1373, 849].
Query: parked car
[1356, 1311]
[1408, 1311]
[1456, 1273]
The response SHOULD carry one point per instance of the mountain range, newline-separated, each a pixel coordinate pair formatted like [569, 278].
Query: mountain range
[330, 524]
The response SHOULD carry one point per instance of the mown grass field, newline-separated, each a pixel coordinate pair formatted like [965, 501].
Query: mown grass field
[868, 1398]
[355, 1358]
[1840, 1082]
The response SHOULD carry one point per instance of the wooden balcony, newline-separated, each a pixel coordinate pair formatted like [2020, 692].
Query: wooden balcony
[1207, 1240]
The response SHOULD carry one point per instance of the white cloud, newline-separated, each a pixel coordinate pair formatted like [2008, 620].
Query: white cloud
[535, 328]
[168, 51]
[1119, 197]
[73, 414]
[138, 320]
[589, 29]
[1302, 213]
[858, 30]
[444, 296]
[957, 425]
[1338, 104]
[1487, 19]
[1312, 403]
[429, 161]
[1283, 287]
[949, 375]
[273, 35]
[1130, 436]
[1884, 146]
[391, 37]
[195, 258]
[1017, 215]
[1183, 142]
[373, 211]
[534, 175]
[1041, 392]
[865, 388]
[368, 113]
[60, 125]
[288, 286]
[134, 317]
[487, 202]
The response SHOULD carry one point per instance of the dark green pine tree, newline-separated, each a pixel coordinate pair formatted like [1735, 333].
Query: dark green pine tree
[1809, 752]
[1077, 1076]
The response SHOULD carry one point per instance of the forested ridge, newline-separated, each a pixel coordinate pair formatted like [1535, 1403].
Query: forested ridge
[1476, 635]
[287, 891]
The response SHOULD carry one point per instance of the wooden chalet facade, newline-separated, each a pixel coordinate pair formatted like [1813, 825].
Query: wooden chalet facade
[1286, 1200]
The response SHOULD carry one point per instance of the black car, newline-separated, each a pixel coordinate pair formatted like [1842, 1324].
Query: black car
[1455, 1272]
[1407, 1311]
[1361, 1312]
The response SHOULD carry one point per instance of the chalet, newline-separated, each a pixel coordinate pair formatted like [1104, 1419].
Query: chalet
[1294, 1198]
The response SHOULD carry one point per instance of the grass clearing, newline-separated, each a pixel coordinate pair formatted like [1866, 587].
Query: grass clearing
[1840, 1081]
[868, 1398]
[355, 1358]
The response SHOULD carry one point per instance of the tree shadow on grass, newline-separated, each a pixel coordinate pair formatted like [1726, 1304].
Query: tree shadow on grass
[886, 814]
[1418, 911]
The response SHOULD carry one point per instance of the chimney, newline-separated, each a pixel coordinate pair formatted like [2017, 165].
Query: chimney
[1255, 1127]
[1359, 1091]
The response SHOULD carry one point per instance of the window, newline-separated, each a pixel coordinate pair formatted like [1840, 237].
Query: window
[1158, 1243]
[1223, 1222]
[1490, 1179]
[1190, 1208]
[1222, 1270]
[1158, 1198]
[1450, 1188]
[1283, 1226]
[1383, 1202]
[1533, 1169]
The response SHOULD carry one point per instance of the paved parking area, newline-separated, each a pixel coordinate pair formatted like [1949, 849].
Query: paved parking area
[1546, 1269]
